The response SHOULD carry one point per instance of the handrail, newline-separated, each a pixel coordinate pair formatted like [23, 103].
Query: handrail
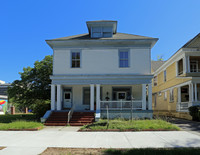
[70, 113]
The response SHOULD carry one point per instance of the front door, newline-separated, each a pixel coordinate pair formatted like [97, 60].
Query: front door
[67, 100]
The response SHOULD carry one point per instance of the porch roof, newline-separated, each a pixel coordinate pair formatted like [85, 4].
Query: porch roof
[101, 79]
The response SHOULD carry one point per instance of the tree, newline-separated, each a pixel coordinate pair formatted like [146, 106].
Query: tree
[160, 58]
[34, 84]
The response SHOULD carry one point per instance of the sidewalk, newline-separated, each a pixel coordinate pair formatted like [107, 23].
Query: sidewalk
[32, 143]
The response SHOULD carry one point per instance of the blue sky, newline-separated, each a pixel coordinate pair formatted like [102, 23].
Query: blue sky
[26, 24]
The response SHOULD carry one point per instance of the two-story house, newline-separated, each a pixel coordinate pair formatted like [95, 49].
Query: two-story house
[176, 82]
[102, 70]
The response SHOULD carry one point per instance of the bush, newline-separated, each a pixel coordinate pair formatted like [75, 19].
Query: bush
[40, 107]
[195, 112]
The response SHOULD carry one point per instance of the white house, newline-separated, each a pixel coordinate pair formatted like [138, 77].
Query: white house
[102, 70]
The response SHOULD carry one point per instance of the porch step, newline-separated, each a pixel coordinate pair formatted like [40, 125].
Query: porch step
[81, 118]
[57, 119]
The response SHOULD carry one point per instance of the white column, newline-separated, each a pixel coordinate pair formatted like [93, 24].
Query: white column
[191, 92]
[58, 97]
[188, 64]
[144, 97]
[98, 97]
[149, 96]
[195, 92]
[179, 94]
[184, 65]
[92, 97]
[53, 105]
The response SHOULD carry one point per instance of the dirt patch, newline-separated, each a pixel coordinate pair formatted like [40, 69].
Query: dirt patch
[1, 148]
[73, 151]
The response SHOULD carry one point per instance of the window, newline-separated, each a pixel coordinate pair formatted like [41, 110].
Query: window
[165, 76]
[159, 93]
[165, 95]
[123, 59]
[75, 59]
[155, 81]
[171, 97]
[98, 32]
[119, 93]
[194, 66]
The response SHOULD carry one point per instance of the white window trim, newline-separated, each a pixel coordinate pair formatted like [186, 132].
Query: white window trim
[165, 75]
[76, 51]
[171, 94]
[124, 50]
[165, 95]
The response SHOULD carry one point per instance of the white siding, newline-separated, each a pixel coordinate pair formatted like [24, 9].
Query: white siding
[102, 61]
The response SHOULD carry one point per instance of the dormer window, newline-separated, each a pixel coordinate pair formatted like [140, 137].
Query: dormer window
[101, 32]
[102, 28]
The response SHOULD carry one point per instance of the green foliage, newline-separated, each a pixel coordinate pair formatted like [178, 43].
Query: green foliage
[160, 58]
[131, 125]
[153, 151]
[40, 107]
[20, 125]
[34, 84]
[11, 118]
[195, 112]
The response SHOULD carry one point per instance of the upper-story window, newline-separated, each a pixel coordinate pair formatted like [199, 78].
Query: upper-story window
[123, 58]
[75, 59]
[165, 76]
[98, 32]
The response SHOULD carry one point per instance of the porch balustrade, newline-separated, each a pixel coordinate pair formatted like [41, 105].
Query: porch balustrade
[183, 106]
[121, 105]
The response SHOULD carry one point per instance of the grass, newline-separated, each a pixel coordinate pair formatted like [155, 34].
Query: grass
[136, 125]
[20, 125]
[101, 151]
[10, 118]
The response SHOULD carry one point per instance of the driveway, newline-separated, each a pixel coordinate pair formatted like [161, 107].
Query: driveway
[32, 143]
[187, 125]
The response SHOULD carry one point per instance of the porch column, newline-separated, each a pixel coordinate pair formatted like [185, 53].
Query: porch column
[184, 65]
[92, 97]
[98, 97]
[53, 105]
[179, 94]
[195, 92]
[191, 92]
[58, 97]
[144, 97]
[188, 64]
[149, 96]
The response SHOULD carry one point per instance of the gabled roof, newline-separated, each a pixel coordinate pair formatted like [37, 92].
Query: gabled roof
[117, 36]
[156, 64]
[193, 43]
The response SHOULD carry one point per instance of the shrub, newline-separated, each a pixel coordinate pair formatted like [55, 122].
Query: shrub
[40, 107]
[195, 112]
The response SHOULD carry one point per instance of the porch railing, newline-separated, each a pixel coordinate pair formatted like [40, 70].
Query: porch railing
[70, 113]
[121, 105]
[183, 106]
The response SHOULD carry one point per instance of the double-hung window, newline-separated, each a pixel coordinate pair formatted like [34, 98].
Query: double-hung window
[171, 97]
[165, 75]
[123, 58]
[75, 59]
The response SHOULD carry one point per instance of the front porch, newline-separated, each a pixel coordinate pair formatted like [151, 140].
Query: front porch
[188, 95]
[100, 98]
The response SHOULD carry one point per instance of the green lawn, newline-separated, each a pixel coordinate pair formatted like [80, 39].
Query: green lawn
[136, 125]
[150, 151]
[20, 125]
[10, 118]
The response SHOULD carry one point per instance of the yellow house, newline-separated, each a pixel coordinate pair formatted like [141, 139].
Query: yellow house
[176, 82]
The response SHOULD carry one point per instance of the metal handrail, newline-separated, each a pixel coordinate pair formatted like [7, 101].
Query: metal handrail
[70, 114]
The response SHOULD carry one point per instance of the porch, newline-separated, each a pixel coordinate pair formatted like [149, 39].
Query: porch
[188, 95]
[99, 98]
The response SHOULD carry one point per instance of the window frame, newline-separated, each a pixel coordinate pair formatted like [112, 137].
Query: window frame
[155, 80]
[71, 60]
[171, 95]
[165, 75]
[128, 59]
[165, 95]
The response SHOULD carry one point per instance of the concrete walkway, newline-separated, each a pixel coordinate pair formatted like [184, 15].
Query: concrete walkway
[32, 143]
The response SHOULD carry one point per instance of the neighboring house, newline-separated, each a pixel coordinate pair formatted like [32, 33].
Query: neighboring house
[176, 83]
[100, 69]
[3, 97]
